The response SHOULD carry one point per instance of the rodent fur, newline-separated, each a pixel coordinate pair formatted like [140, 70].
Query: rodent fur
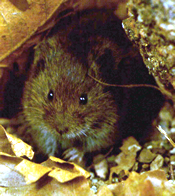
[64, 122]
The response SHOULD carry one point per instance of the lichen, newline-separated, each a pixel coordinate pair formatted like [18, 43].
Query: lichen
[151, 26]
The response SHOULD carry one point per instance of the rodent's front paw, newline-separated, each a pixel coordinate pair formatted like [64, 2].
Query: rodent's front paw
[74, 154]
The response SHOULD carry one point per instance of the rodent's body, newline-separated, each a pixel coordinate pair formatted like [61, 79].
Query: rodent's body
[64, 120]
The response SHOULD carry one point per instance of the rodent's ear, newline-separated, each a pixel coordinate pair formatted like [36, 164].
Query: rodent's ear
[103, 63]
[94, 70]
[38, 67]
[106, 60]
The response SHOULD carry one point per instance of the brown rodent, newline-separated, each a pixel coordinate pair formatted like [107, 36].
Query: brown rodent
[64, 109]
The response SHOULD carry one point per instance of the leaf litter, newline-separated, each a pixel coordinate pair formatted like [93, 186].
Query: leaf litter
[137, 171]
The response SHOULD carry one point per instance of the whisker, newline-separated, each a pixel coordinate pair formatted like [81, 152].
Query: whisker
[33, 108]
[82, 132]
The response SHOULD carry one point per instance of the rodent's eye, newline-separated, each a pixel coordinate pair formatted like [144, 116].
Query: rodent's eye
[50, 95]
[83, 99]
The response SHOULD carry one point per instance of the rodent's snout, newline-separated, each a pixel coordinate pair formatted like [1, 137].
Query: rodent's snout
[62, 130]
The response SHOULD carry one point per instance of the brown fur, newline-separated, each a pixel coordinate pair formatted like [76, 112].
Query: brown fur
[64, 122]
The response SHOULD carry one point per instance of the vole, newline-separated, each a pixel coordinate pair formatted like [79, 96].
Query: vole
[63, 108]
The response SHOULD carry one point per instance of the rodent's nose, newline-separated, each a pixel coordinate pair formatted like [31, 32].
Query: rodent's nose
[62, 131]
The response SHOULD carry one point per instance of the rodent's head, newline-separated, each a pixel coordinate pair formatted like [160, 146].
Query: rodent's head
[61, 98]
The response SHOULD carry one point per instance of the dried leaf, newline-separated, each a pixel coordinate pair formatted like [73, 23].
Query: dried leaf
[4, 143]
[157, 163]
[117, 188]
[66, 170]
[16, 173]
[71, 179]
[104, 190]
[130, 145]
[31, 171]
[126, 159]
[3, 65]
[18, 22]
[19, 147]
[126, 162]
[152, 183]
[61, 170]
[146, 156]
[49, 186]
[14, 146]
